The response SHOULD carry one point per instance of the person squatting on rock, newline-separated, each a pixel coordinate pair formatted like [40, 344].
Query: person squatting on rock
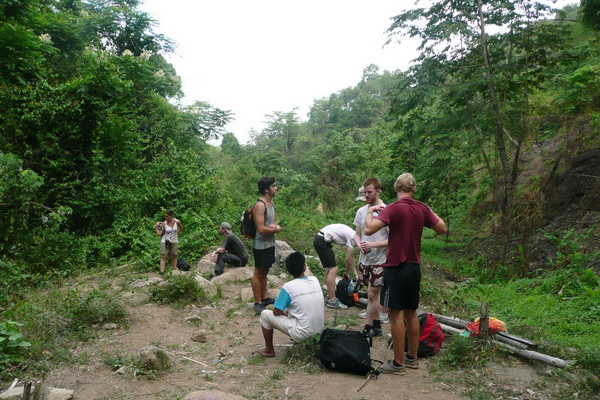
[168, 231]
[263, 245]
[298, 311]
[372, 256]
[232, 251]
[341, 235]
[405, 219]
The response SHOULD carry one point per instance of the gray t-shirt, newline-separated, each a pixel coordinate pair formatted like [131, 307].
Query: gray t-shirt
[265, 241]
[234, 245]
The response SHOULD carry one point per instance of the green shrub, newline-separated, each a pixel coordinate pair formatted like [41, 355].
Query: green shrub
[179, 290]
[12, 342]
[97, 307]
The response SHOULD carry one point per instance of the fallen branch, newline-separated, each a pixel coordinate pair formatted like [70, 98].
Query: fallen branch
[529, 354]
[194, 361]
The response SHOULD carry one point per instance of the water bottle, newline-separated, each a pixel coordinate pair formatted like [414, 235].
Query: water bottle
[351, 287]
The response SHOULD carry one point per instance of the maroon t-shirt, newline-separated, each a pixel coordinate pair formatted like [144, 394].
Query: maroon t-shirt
[406, 219]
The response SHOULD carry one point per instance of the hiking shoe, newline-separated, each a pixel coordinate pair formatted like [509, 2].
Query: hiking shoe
[267, 301]
[258, 308]
[383, 317]
[376, 332]
[390, 368]
[336, 304]
[411, 363]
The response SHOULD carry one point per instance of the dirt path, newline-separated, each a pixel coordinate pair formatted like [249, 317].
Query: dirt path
[233, 329]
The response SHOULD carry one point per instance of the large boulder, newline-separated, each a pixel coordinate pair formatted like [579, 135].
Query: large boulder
[154, 358]
[212, 395]
[12, 394]
[234, 274]
[206, 285]
[282, 251]
[247, 294]
[205, 266]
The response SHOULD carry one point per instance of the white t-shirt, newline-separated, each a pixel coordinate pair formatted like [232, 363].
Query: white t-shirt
[339, 234]
[304, 301]
[377, 254]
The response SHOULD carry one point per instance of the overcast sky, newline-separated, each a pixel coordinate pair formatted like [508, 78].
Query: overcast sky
[258, 57]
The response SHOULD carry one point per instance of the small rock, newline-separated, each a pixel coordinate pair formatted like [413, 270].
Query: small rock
[199, 336]
[342, 327]
[124, 370]
[193, 318]
[153, 358]
[57, 394]
[110, 326]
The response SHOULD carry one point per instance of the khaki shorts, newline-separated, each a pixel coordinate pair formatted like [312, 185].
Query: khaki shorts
[169, 249]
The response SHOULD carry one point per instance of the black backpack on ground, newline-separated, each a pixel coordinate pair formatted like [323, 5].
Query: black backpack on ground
[183, 264]
[247, 224]
[346, 351]
[342, 293]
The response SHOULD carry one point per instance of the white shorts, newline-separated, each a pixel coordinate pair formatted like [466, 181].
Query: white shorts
[270, 321]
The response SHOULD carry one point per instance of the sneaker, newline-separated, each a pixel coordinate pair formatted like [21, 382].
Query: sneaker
[336, 304]
[411, 363]
[376, 332]
[268, 300]
[383, 317]
[258, 308]
[390, 368]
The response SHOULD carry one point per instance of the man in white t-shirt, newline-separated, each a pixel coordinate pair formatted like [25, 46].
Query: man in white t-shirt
[341, 235]
[372, 257]
[298, 311]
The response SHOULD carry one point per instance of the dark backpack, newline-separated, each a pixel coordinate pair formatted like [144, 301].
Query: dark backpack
[430, 337]
[247, 224]
[183, 264]
[342, 293]
[346, 351]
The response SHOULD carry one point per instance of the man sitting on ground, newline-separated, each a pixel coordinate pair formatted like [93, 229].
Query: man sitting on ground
[232, 251]
[298, 311]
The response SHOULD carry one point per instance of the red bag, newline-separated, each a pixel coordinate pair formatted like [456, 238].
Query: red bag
[430, 337]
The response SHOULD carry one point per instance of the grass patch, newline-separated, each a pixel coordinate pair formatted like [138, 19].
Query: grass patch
[179, 290]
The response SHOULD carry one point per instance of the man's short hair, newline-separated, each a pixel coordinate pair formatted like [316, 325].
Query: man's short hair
[295, 263]
[372, 181]
[265, 183]
[405, 183]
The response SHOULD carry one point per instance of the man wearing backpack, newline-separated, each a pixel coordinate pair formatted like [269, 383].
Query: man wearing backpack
[263, 245]
[372, 257]
[405, 219]
[232, 251]
[298, 311]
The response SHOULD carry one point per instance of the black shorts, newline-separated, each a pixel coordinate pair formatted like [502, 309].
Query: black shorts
[264, 258]
[325, 252]
[401, 286]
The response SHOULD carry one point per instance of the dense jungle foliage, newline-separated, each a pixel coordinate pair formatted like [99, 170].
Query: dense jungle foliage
[491, 119]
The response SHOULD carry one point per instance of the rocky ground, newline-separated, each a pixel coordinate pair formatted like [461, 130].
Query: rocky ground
[224, 361]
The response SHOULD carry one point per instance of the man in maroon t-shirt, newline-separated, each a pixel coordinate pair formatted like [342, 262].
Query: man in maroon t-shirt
[402, 274]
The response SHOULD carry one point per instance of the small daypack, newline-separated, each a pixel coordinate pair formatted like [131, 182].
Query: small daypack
[183, 264]
[430, 337]
[346, 351]
[342, 293]
[247, 224]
